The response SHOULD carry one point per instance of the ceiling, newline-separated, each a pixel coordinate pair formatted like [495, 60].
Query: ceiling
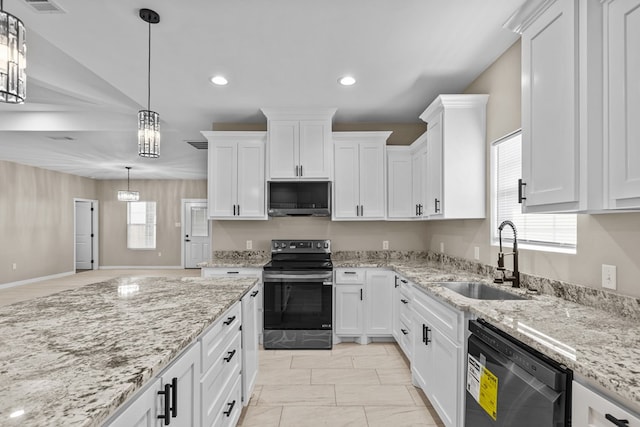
[87, 71]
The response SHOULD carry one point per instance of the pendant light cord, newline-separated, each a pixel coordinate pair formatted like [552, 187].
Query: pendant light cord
[148, 73]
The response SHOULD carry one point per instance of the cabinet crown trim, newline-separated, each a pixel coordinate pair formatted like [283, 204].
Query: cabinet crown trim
[293, 113]
[350, 136]
[526, 14]
[453, 101]
[223, 136]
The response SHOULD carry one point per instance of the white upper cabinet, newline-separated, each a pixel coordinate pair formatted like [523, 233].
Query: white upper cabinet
[399, 183]
[453, 175]
[236, 178]
[299, 144]
[562, 165]
[359, 183]
[622, 127]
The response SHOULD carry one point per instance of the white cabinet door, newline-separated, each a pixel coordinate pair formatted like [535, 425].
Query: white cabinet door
[222, 183]
[399, 184]
[371, 167]
[433, 199]
[251, 181]
[346, 188]
[249, 342]
[378, 296]
[419, 171]
[623, 43]
[550, 141]
[444, 377]
[284, 137]
[590, 409]
[422, 354]
[142, 411]
[349, 318]
[315, 149]
[184, 374]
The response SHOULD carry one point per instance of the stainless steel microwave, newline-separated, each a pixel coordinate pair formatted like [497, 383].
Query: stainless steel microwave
[299, 198]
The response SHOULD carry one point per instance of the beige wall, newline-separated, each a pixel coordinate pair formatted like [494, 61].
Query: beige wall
[344, 235]
[168, 195]
[602, 239]
[36, 220]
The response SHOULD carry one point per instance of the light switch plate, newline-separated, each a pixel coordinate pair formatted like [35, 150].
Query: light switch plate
[249, 244]
[476, 252]
[441, 246]
[609, 276]
[385, 244]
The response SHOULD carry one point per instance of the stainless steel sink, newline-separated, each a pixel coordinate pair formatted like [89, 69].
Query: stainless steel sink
[478, 290]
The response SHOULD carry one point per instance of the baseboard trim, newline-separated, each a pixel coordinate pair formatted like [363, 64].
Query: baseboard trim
[36, 279]
[141, 267]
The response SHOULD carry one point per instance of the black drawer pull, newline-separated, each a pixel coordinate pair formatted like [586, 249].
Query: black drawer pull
[229, 320]
[404, 301]
[230, 355]
[254, 293]
[230, 409]
[404, 331]
[167, 406]
[404, 281]
[349, 272]
[616, 421]
[233, 272]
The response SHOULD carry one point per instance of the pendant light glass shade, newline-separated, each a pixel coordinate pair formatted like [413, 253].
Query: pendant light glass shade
[13, 59]
[128, 195]
[149, 121]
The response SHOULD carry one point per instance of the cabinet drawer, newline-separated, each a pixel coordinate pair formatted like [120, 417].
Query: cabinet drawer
[230, 272]
[405, 337]
[445, 318]
[223, 331]
[591, 409]
[218, 381]
[349, 275]
[229, 412]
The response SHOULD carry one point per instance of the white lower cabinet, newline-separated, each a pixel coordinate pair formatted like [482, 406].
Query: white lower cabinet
[142, 411]
[250, 342]
[437, 361]
[402, 315]
[589, 408]
[362, 308]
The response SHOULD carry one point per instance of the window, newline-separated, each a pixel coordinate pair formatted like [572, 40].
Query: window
[535, 231]
[141, 225]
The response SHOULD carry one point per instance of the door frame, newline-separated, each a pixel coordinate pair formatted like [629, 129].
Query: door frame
[183, 205]
[96, 233]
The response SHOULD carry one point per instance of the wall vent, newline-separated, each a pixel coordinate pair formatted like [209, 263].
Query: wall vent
[44, 6]
[200, 145]
[61, 138]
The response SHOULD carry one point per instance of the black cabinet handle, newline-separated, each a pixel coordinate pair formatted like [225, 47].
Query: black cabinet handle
[230, 409]
[360, 294]
[404, 301]
[174, 397]
[234, 210]
[167, 406]
[424, 333]
[404, 331]
[238, 210]
[229, 320]
[417, 210]
[420, 211]
[254, 293]
[297, 170]
[301, 174]
[230, 355]
[233, 272]
[404, 281]
[437, 205]
[395, 283]
[349, 272]
[427, 339]
[521, 186]
[616, 421]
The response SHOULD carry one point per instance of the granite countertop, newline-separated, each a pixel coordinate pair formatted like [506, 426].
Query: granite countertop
[595, 344]
[72, 358]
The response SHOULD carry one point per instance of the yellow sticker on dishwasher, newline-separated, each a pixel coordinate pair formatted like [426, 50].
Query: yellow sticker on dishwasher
[482, 385]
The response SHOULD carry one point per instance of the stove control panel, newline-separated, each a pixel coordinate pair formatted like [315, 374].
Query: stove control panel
[301, 246]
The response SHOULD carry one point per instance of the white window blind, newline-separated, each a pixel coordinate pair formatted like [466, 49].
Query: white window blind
[141, 225]
[544, 230]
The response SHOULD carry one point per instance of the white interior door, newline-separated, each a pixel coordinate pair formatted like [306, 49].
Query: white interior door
[196, 237]
[84, 235]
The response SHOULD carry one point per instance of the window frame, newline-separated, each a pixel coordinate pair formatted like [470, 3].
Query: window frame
[507, 237]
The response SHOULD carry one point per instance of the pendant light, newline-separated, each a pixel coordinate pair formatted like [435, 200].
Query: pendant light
[149, 121]
[128, 195]
[13, 58]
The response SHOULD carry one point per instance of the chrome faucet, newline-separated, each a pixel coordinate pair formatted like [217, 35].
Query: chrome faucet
[515, 278]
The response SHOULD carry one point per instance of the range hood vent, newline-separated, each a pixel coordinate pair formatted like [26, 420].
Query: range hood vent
[200, 145]
[44, 6]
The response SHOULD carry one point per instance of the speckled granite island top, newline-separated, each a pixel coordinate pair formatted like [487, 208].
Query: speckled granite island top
[73, 357]
[595, 344]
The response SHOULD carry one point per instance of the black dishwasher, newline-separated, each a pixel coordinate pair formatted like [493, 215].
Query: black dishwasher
[510, 384]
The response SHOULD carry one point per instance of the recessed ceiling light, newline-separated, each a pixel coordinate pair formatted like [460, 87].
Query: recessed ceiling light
[219, 80]
[347, 81]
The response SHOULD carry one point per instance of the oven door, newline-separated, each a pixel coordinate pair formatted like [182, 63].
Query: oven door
[298, 301]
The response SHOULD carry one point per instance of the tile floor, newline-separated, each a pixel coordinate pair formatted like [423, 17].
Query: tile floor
[351, 385]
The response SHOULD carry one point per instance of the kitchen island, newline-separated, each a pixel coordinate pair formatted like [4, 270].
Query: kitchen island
[72, 358]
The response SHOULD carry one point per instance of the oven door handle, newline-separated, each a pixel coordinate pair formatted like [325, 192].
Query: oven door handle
[298, 277]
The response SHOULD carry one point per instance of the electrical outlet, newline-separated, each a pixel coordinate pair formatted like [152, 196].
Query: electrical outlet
[14, 266]
[178, 224]
[385, 244]
[249, 244]
[609, 276]
[476, 252]
[441, 246]
[159, 253]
